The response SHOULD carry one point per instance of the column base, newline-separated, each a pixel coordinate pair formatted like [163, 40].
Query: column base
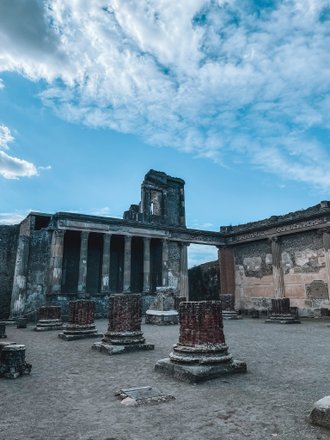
[230, 314]
[162, 317]
[73, 332]
[48, 324]
[111, 349]
[198, 373]
[282, 319]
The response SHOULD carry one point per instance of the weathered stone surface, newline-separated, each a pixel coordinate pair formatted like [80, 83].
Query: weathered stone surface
[201, 352]
[320, 414]
[161, 311]
[12, 360]
[142, 396]
[2, 330]
[124, 330]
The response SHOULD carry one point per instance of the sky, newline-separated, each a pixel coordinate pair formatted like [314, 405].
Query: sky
[230, 95]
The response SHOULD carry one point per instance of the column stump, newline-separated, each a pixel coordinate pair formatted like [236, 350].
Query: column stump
[201, 353]
[228, 306]
[49, 318]
[124, 330]
[81, 321]
[280, 313]
[12, 360]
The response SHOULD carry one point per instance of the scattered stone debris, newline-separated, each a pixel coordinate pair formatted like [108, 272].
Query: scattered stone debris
[320, 414]
[12, 360]
[49, 318]
[81, 321]
[281, 313]
[21, 322]
[142, 396]
[161, 311]
[124, 330]
[201, 352]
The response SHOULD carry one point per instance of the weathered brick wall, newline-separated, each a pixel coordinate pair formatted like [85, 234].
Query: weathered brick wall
[8, 247]
[201, 323]
[125, 313]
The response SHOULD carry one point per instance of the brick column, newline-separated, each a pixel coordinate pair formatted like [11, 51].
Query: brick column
[278, 279]
[56, 261]
[81, 321]
[164, 262]
[105, 284]
[127, 264]
[124, 329]
[201, 352]
[83, 262]
[146, 264]
[227, 271]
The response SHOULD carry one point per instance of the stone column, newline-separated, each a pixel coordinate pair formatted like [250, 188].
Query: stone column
[20, 276]
[124, 329]
[81, 321]
[278, 279]
[56, 261]
[326, 244]
[164, 262]
[184, 287]
[146, 264]
[127, 264]
[201, 352]
[105, 285]
[49, 318]
[83, 262]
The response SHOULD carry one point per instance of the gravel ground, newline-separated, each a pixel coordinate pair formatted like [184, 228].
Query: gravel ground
[70, 392]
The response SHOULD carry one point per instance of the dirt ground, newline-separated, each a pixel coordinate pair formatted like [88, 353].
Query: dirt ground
[70, 392]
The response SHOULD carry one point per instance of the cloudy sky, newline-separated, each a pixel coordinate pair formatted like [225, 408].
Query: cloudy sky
[232, 96]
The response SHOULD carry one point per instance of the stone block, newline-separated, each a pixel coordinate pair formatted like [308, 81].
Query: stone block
[320, 414]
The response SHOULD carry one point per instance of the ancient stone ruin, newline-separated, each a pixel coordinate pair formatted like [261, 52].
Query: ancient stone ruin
[12, 360]
[162, 311]
[124, 330]
[281, 313]
[81, 321]
[49, 318]
[201, 352]
[228, 306]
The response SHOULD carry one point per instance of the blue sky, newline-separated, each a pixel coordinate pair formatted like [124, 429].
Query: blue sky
[232, 96]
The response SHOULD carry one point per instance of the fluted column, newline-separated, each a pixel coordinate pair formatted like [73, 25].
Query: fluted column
[278, 279]
[105, 284]
[164, 262]
[56, 261]
[20, 276]
[146, 264]
[127, 264]
[83, 262]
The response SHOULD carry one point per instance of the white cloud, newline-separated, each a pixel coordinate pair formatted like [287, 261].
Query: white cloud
[12, 218]
[199, 254]
[12, 167]
[209, 78]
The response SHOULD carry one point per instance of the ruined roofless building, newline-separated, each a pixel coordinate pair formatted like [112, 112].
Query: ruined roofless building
[57, 258]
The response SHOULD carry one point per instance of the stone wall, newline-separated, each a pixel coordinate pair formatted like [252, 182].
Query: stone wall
[8, 247]
[204, 282]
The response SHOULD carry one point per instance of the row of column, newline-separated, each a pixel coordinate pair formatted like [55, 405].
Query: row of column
[56, 262]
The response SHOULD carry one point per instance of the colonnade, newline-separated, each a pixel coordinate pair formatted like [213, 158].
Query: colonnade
[57, 253]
